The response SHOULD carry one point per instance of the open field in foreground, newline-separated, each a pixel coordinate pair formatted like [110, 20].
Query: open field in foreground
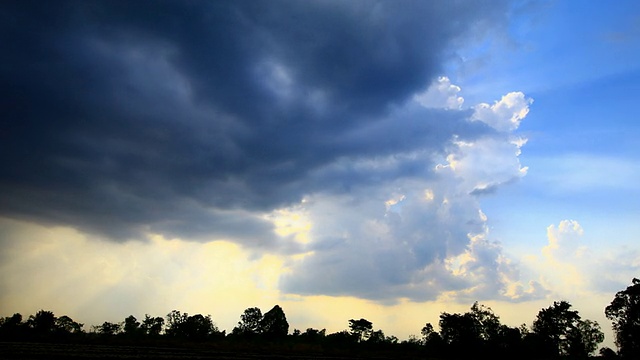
[33, 351]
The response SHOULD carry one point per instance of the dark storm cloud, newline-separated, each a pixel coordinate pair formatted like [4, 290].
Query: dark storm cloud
[191, 118]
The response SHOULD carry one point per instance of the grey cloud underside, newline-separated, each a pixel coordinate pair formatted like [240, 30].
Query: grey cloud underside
[191, 118]
[383, 255]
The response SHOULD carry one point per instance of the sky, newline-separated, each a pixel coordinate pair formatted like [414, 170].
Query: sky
[387, 160]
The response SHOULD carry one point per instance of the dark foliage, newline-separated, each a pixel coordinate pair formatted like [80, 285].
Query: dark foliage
[249, 324]
[193, 328]
[360, 329]
[474, 333]
[624, 313]
[273, 324]
[562, 332]
[557, 332]
[152, 326]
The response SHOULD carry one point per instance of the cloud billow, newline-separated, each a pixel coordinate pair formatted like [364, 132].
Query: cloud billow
[196, 120]
[116, 111]
[420, 236]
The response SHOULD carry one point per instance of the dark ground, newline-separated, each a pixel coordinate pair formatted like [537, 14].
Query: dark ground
[54, 351]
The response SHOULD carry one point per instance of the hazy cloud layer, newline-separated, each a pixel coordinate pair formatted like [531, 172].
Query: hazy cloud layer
[573, 265]
[420, 237]
[209, 120]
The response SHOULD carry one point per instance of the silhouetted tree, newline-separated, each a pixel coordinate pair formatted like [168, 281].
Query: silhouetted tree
[175, 321]
[477, 331]
[11, 321]
[563, 332]
[196, 327]
[376, 337]
[108, 328]
[199, 327]
[131, 327]
[152, 326]
[274, 323]
[249, 323]
[65, 325]
[459, 330]
[361, 329]
[553, 324]
[427, 331]
[413, 340]
[392, 339]
[624, 313]
[341, 338]
[431, 340]
[495, 338]
[584, 338]
[12, 327]
[42, 323]
[486, 323]
[557, 330]
[509, 341]
[312, 335]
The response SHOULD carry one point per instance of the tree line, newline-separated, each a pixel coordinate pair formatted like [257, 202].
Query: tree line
[558, 331]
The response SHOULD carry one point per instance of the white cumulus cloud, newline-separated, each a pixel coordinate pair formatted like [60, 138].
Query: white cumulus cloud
[441, 94]
[571, 266]
[506, 114]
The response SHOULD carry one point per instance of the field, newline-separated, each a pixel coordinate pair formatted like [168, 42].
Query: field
[33, 351]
